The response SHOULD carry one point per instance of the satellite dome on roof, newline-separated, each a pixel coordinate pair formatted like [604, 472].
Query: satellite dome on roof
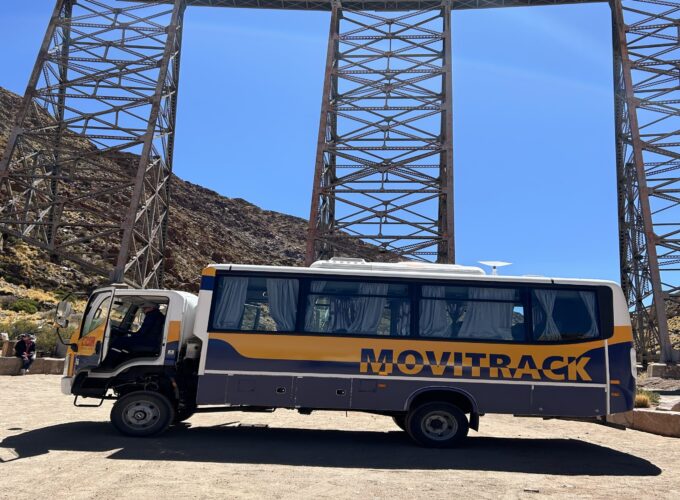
[494, 265]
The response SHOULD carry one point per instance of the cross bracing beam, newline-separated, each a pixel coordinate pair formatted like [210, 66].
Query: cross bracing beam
[384, 165]
[86, 169]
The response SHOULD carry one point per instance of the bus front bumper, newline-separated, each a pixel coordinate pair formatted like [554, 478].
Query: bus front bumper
[66, 385]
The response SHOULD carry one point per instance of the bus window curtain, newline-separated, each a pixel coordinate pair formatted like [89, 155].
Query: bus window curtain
[546, 299]
[347, 313]
[231, 300]
[588, 299]
[488, 320]
[283, 296]
[434, 316]
[403, 326]
[316, 319]
[365, 312]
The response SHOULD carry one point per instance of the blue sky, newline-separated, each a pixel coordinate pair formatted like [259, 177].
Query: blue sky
[535, 179]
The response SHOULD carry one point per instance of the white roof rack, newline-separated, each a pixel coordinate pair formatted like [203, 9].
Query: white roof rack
[408, 266]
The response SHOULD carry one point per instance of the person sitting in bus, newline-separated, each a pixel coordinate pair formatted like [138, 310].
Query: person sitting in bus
[144, 342]
[148, 337]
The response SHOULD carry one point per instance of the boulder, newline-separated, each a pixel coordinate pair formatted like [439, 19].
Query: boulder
[669, 404]
[8, 347]
[625, 419]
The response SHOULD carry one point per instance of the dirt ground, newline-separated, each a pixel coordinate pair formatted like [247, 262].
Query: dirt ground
[62, 451]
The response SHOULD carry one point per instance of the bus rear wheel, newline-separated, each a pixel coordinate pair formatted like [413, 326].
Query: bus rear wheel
[142, 413]
[437, 425]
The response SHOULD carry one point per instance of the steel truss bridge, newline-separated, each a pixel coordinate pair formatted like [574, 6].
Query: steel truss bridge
[85, 175]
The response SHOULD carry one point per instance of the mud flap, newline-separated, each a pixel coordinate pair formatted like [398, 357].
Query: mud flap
[474, 421]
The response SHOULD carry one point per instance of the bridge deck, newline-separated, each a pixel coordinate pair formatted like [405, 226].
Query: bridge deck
[377, 5]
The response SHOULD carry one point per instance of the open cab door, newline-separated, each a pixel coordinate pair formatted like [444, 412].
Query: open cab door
[90, 343]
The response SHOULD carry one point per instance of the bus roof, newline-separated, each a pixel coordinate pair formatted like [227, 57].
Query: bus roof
[425, 270]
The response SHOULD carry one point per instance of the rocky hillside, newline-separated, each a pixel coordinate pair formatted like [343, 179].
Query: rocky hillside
[204, 227]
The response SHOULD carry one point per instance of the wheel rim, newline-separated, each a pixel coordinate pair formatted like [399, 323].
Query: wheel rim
[439, 425]
[141, 414]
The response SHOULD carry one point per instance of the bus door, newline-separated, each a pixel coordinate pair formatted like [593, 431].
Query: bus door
[93, 337]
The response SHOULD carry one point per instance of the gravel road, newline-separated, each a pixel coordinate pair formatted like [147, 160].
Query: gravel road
[50, 449]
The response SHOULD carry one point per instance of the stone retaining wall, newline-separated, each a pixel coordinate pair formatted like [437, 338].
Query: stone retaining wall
[663, 370]
[44, 366]
[664, 423]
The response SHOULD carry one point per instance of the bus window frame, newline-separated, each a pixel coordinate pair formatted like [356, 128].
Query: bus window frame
[605, 316]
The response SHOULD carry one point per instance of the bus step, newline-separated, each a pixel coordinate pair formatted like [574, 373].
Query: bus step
[75, 403]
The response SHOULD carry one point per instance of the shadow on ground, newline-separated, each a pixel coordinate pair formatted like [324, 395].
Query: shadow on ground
[330, 448]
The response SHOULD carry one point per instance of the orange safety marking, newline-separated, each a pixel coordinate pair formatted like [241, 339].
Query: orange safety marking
[209, 271]
[174, 331]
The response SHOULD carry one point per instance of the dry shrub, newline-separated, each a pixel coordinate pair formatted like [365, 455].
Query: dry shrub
[641, 401]
[645, 399]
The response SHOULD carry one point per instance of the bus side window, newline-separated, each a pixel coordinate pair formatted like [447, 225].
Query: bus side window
[564, 315]
[255, 304]
[475, 313]
[358, 308]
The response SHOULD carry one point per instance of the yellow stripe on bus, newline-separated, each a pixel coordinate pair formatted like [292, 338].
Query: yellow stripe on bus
[408, 356]
[320, 348]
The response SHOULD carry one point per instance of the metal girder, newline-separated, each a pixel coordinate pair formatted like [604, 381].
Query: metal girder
[377, 5]
[384, 165]
[647, 98]
[86, 171]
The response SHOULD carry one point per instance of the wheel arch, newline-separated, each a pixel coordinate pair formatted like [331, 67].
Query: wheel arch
[150, 379]
[459, 397]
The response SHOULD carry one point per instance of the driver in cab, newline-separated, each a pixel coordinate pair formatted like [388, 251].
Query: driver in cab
[144, 342]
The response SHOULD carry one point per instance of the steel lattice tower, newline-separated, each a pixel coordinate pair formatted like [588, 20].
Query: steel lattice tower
[384, 166]
[647, 93]
[85, 174]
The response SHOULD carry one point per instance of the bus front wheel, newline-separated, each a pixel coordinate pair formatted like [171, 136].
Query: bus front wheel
[437, 425]
[142, 413]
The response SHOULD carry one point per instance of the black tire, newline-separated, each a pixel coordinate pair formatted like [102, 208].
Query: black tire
[142, 414]
[182, 414]
[437, 425]
[400, 420]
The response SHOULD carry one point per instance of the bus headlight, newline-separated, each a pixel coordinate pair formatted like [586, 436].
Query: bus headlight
[633, 363]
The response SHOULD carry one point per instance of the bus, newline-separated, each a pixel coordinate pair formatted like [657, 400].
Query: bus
[433, 346]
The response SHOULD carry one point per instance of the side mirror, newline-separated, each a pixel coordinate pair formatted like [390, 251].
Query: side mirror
[64, 310]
